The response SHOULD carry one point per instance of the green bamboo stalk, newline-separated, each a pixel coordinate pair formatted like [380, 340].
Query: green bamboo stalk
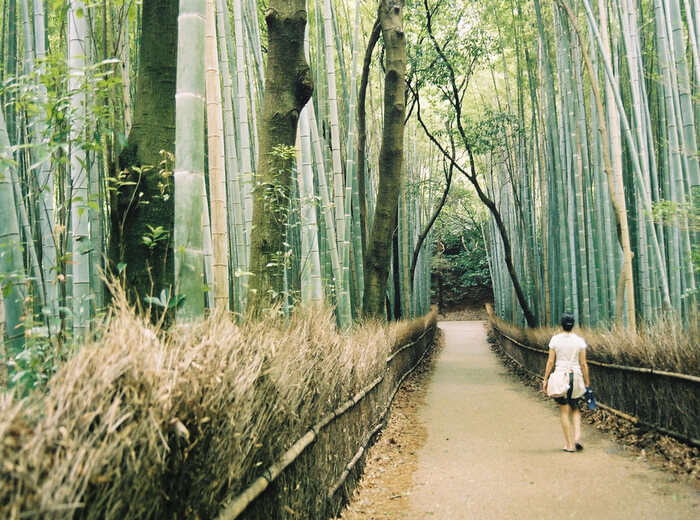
[125, 59]
[353, 215]
[10, 63]
[583, 166]
[189, 160]
[311, 288]
[675, 157]
[342, 298]
[641, 183]
[28, 36]
[81, 238]
[255, 90]
[12, 274]
[311, 280]
[337, 170]
[238, 247]
[217, 171]
[245, 152]
[688, 136]
[45, 180]
[687, 113]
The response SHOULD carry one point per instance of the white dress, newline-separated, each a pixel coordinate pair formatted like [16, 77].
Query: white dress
[567, 346]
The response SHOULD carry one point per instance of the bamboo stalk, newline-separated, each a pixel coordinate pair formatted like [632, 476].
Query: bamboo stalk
[245, 152]
[217, 172]
[239, 246]
[81, 239]
[189, 160]
[11, 265]
[310, 257]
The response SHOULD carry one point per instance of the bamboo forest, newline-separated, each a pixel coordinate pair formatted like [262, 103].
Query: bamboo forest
[240, 187]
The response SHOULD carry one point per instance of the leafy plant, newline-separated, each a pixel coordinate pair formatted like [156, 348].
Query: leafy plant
[155, 234]
[165, 300]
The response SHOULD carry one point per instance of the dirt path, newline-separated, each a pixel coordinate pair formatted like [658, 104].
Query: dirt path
[488, 450]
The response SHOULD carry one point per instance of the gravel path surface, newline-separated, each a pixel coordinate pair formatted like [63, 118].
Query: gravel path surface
[493, 452]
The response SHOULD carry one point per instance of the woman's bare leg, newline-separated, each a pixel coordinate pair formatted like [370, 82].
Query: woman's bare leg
[576, 417]
[565, 418]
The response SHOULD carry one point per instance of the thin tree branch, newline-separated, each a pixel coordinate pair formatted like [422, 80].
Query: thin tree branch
[419, 244]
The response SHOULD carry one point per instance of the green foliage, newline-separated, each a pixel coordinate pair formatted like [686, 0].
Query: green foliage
[277, 204]
[31, 367]
[684, 215]
[492, 130]
[276, 193]
[165, 300]
[42, 97]
[456, 25]
[154, 235]
[461, 261]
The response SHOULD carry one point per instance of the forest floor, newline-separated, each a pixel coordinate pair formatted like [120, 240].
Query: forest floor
[475, 311]
[466, 439]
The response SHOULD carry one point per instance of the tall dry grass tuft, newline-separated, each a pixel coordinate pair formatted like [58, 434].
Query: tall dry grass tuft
[146, 423]
[669, 344]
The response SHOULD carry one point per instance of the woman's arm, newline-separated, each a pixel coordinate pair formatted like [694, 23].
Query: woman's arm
[548, 369]
[584, 366]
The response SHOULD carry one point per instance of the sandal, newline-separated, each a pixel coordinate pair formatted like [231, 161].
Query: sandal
[579, 447]
[568, 451]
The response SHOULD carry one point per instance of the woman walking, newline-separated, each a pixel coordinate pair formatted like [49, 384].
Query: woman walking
[568, 382]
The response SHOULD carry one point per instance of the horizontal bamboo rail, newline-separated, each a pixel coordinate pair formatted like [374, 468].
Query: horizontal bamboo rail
[619, 413]
[239, 503]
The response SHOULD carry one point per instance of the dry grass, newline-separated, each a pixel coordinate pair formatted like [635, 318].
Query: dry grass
[152, 424]
[666, 345]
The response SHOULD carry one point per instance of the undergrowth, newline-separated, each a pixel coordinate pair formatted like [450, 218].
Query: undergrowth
[151, 423]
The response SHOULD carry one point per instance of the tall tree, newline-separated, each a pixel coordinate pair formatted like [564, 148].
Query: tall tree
[288, 86]
[144, 197]
[390, 157]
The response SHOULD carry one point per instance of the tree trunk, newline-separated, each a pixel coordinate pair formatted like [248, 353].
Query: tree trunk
[396, 271]
[362, 131]
[390, 157]
[288, 86]
[149, 201]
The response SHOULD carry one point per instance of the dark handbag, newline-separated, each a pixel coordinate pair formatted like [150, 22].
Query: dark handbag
[590, 398]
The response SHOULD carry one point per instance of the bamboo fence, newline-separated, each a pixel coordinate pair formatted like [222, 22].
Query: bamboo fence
[657, 399]
[238, 504]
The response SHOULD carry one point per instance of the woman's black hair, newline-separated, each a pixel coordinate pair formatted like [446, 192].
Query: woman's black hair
[567, 321]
